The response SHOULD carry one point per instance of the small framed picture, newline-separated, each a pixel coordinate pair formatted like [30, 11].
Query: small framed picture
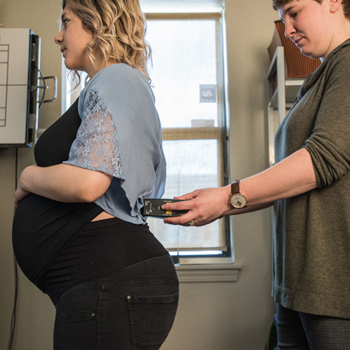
[207, 93]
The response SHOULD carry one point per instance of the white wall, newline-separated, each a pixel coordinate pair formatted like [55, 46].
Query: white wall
[225, 316]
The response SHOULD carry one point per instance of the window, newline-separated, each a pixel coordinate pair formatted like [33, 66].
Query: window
[189, 82]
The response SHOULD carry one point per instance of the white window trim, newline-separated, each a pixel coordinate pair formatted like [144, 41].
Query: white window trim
[208, 272]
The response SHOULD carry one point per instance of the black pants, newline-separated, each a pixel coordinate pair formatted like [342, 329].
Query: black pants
[301, 331]
[132, 309]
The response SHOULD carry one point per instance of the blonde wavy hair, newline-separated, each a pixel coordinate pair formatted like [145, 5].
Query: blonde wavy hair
[118, 28]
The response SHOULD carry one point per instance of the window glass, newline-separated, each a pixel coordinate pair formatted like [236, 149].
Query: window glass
[184, 72]
[186, 79]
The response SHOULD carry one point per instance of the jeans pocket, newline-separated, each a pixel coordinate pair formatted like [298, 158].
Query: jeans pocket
[151, 318]
[79, 303]
[76, 323]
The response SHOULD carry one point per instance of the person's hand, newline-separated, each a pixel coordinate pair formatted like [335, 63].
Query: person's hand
[19, 195]
[204, 206]
[21, 192]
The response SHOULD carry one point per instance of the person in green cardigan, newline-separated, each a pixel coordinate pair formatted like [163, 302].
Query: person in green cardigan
[309, 186]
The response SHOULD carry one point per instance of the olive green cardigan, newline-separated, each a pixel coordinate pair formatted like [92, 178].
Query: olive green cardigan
[311, 253]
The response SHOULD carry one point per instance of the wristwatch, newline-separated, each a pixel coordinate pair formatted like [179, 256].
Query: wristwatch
[237, 199]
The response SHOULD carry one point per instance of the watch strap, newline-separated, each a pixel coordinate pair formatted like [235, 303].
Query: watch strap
[235, 187]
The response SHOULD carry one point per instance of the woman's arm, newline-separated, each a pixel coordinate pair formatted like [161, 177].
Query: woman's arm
[62, 182]
[290, 177]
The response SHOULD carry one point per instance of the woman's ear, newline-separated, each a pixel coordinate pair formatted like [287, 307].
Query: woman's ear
[334, 5]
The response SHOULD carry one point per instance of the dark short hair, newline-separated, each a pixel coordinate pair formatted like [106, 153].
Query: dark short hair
[346, 5]
[278, 3]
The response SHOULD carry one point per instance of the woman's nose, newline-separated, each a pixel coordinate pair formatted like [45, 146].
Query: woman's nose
[288, 30]
[58, 38]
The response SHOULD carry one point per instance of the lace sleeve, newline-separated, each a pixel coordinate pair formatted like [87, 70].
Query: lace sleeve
[96, 146]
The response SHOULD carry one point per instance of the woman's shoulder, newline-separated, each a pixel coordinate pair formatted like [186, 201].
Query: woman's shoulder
[120, 78]
[120, 71]
[337, 64]
[117, 85]
[341, 54]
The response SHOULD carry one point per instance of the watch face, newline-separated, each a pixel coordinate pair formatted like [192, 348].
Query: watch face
[238, 201]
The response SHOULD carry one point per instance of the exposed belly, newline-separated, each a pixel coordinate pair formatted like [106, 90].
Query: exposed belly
[103, 216]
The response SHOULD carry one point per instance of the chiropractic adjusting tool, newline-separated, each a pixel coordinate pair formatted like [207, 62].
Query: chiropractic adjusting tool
[153, 207]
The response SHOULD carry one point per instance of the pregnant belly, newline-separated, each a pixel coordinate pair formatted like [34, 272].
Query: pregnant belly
[41, 227]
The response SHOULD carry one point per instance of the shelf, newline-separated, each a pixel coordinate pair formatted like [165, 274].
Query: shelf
[291, 89]
[280, 98]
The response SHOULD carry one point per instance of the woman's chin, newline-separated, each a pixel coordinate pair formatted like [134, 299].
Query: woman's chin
[306, 52]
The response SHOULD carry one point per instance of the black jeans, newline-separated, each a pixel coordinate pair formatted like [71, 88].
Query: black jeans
[132, 309]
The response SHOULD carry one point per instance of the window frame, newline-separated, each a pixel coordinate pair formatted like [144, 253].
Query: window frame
[226, 257]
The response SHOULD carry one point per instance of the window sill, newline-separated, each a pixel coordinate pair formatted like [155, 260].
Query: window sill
[208, 273]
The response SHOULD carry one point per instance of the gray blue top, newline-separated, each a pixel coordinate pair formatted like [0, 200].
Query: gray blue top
[121, 135]
[311, 271]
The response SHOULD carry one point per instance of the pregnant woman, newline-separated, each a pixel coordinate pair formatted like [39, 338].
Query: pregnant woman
[78, 233]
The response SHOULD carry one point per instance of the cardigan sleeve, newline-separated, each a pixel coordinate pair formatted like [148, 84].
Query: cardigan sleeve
[329, 143]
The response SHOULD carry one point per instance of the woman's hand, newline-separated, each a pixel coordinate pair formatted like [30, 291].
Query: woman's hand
[21, 192]
[204, 206]
[19, 195]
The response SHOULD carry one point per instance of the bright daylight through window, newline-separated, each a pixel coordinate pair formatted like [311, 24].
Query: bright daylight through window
[187, 79]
